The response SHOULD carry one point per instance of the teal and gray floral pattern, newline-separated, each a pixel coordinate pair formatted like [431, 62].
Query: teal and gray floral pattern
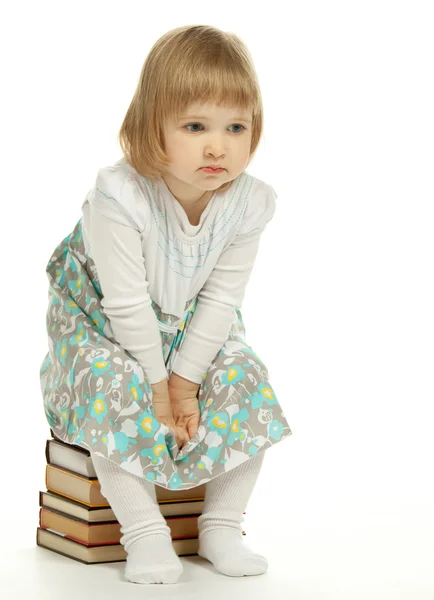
[97, 396]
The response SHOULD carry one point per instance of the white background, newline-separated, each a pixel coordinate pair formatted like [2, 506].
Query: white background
[339, 305]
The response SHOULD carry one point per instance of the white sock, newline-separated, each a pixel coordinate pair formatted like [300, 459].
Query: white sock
[151, 557]
[220, 534]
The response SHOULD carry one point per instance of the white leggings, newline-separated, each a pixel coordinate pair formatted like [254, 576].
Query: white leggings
[134, 502]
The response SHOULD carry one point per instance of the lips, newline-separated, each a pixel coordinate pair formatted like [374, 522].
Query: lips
[211, 170]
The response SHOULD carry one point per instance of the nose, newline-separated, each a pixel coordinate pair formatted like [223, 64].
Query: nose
[216, 147]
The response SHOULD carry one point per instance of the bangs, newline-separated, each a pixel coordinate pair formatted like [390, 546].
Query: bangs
[223, 88]
[207, 75]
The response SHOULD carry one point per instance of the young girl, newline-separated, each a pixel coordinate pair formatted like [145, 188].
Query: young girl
[148, 366]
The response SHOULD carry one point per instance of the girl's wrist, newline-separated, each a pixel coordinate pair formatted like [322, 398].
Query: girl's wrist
[182, 383]
[160, 388]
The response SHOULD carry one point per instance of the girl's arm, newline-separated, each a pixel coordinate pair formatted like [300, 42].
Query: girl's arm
[117, 252]
[224, 291]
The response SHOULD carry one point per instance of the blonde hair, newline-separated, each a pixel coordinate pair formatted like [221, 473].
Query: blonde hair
[189, 64]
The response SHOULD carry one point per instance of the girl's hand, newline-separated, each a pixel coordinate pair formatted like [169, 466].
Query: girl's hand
[163, 413]
[184, 403]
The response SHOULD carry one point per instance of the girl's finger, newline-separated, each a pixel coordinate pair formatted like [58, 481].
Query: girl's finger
[192, 430]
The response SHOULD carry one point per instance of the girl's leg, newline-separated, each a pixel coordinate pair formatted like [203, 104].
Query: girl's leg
[220, 533]
[146, 538]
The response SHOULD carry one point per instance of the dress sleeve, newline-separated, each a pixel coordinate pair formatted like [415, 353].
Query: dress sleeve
[224, 290]
[116, 248]
[117, 196]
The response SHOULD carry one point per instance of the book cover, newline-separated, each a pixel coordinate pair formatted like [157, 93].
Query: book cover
[109, 532]
[78, 462]
[95, 514]
[88, 490]
[61, 544]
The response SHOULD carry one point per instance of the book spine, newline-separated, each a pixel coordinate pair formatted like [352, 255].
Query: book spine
[47, 451]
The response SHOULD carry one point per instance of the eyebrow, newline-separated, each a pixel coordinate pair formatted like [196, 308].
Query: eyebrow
[207, 119]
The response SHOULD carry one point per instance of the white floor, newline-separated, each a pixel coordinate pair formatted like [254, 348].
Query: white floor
[346, 552]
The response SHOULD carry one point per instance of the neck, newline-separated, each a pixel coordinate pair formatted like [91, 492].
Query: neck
[185, 194]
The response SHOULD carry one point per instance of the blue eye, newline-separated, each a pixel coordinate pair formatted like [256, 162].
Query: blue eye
[234, 125]
[238, 125]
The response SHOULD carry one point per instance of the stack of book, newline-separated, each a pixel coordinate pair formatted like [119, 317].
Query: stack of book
[76, 520]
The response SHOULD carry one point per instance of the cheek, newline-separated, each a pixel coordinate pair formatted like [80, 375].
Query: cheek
[180, 145]
[243, 151]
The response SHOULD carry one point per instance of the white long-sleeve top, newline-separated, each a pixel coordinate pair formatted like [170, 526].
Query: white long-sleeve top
[144, 248]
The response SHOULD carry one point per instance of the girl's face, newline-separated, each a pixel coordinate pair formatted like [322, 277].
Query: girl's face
[206, 134]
